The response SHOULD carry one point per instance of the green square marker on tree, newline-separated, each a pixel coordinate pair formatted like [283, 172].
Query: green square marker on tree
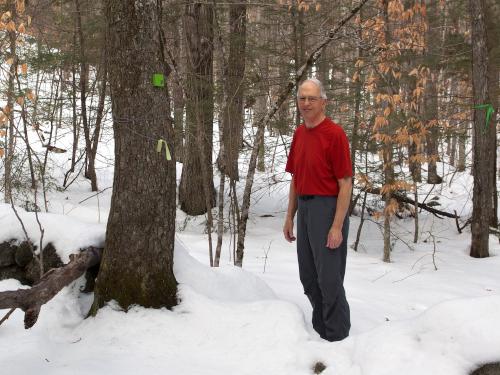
[158, 80]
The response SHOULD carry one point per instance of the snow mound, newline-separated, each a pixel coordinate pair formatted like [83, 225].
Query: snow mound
[68, 235]
[223, 284]
[452, 337]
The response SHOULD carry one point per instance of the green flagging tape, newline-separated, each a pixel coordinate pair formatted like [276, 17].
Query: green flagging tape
[158, 80]
[489, 111]
[159, 146]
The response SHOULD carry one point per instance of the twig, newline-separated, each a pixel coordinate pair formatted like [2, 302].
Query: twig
[93, 195]
[434, 251]
[7, 315]
[406, 277]
[393, 235]
[266, 255]
[42, 232]
[23, 227]
[460, 228]
[378, 278]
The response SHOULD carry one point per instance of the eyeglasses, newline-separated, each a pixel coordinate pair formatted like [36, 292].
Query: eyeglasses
[311, 99]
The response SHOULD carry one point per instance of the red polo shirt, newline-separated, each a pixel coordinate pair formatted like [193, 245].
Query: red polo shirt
[318, 157]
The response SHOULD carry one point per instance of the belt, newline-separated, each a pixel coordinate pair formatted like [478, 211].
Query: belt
[306, 197]
[309, 197]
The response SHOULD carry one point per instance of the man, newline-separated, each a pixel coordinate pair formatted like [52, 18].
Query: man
[320, 164]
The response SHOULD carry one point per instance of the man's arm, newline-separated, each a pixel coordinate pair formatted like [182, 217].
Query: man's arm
[343, 200]
[290, 214]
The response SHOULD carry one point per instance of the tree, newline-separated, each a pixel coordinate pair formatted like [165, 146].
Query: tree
[232, 115]
[482, 196]
[430, 107]
[197, 171]
[136, 267]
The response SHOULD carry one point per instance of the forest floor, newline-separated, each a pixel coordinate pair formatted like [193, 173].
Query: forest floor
[432, 310]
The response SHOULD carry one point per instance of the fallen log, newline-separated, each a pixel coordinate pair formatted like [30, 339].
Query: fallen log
[404, 199]
[31, 300]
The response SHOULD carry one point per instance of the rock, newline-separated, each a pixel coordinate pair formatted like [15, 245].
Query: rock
[90, 278]
[24, 254]
[7, 251]
[488, 369]
[50, 258]
[13, 272]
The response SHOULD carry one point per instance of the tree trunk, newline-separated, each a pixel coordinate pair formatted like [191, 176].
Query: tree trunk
[493, 36]
[481, 200]
[387, 145]
[9, 150]
[232, 116]
[430, 105]
[84, 74]
[178, 94]
[198, 24]
[299, 47]
[137, 264]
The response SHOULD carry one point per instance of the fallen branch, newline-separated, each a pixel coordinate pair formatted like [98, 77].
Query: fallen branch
[404, 199]
[31, 300]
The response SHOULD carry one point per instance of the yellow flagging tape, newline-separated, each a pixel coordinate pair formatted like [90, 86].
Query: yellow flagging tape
[159, 146]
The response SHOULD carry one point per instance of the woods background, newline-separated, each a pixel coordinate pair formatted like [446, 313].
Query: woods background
[412, 82]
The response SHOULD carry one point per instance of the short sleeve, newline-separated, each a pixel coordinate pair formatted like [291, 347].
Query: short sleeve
[341, 156]
[290, 163]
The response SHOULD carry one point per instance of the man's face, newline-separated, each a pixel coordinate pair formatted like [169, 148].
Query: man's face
[311, 105]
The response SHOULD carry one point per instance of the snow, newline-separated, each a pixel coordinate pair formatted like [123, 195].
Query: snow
[407, 317]
[66, 234]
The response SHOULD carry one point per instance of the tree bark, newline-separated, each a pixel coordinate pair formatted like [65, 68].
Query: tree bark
[234, 86]
[198, 25]
[430, 105]
[137, 264]
[493, 36]
[482, 193]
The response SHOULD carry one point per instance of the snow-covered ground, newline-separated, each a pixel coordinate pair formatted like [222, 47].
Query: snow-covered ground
[407, 317]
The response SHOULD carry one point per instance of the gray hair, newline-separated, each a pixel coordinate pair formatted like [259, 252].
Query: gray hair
[317, 82]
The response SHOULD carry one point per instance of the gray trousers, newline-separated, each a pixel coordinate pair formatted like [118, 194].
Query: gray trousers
[322, 269]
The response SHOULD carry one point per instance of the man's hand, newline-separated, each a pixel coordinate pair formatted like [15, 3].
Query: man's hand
[288, 230]
[334, 238]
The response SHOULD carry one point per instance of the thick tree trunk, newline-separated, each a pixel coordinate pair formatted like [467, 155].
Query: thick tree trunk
[481, 200]
[137, 262]
[198, 173]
